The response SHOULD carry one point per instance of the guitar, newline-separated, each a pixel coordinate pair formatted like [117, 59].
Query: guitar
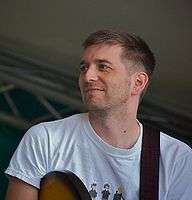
[62, 186]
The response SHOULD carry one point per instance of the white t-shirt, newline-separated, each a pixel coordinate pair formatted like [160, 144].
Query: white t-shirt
[71, 144]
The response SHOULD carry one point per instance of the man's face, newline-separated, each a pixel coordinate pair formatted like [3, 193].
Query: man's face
[105, 81]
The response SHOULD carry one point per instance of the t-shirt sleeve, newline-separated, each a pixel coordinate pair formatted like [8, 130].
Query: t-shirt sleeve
[181, 178]
[30, 160]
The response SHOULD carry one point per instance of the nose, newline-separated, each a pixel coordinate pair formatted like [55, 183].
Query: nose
[91, 74]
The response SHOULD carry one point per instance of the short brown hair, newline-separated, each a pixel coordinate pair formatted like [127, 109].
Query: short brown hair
[134, 48]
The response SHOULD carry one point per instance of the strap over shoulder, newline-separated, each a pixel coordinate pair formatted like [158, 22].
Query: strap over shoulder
[149, 167]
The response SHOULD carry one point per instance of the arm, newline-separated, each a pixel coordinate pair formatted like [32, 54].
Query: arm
[18, 190]
[28, 165]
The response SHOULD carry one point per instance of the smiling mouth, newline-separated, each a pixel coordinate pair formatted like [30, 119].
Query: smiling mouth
[93, 92]
[93, 89]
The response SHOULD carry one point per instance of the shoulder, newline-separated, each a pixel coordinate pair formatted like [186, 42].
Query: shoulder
[68, 121]
[176, 162]
[173, 145]
[43, 136]
[175, 154]
[55, 127]
[53, 132]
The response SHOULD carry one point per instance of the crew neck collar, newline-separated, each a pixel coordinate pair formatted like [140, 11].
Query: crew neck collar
[109, 149]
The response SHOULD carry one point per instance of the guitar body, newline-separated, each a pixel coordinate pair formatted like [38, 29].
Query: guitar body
[62, 186]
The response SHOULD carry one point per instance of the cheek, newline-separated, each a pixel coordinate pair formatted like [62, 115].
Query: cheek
[80, 82]
[122, 88]
[120, 83]
[81, 88]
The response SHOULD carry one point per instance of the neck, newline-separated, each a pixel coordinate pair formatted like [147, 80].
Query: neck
[116, 127]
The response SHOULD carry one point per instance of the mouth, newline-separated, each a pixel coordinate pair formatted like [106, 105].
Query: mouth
[93, 89]
[91, 92]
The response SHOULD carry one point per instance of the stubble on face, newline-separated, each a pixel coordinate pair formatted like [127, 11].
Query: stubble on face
[94, 99]
[113, 87]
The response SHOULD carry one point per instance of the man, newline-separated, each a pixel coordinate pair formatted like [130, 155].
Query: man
[103, 145]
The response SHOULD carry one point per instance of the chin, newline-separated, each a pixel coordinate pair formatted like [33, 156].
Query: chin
[93, 106]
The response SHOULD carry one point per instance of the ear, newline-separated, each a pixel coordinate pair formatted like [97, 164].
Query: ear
[140, 82]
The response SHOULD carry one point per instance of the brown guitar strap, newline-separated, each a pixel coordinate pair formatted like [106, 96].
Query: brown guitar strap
[149, 169]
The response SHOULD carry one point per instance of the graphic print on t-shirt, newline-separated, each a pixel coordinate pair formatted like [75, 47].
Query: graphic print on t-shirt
[118, 194]
[105, 193]
[93, 192]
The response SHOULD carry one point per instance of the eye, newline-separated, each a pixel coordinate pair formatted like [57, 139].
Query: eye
[103, 66]
[83, 67]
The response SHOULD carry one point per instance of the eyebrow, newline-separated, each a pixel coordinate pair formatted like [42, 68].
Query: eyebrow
[97, 61]
[102, 61]
[82, 62]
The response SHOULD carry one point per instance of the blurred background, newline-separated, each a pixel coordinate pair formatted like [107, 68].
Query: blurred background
[40, 49]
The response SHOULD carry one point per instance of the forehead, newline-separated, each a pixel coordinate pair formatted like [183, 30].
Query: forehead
[105, 52]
